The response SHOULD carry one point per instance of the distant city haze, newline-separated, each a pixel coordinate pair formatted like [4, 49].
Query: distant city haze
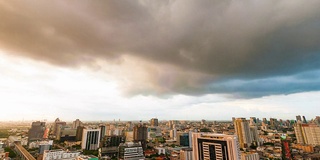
[135, 60]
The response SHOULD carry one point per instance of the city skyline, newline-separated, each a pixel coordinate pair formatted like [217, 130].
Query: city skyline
[133, 60]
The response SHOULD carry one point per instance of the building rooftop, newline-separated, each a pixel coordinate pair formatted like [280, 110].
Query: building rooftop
[130, 144]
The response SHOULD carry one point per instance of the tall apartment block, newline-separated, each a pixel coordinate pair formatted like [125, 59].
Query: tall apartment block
[36, 132]
[307, 133]
[76, 124]
[154, 122]
[210, 146]
[90, 139]
[186, 154]
[242, 129]
[140, 134]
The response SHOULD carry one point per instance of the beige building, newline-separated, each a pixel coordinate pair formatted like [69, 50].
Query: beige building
[307, 133]
[215, 146]
[242, 129]
[304, 148]
[250, 156]
[186, 154]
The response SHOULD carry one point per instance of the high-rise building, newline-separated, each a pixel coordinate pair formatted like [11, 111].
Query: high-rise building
[233, 119]
[129, 126]
[154, 122]
[109, 145]
[203, 122]
[171, 123]
[298, 118]
[253, 121]
[36, 132]
[298, 130]
[129, 136]
[186, 154]
[317, 120]
[255, 135]
[90, 139]
[257, 120]
[264, 120]
[307, 133]
[79, 133]
[76, 124]
[210, 146]
[154, 132]
[102, 131]
[140, 134]
[183, 139]
[190, 139]
[113, 141]
[274, 123]
[304, 119]
[67, 134]
[117, 132]
[242, 129]
[57, 126]
[173, 134]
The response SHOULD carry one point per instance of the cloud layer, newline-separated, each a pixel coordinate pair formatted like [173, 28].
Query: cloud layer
[189, 47]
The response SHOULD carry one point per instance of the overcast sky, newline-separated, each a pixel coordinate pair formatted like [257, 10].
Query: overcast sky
[170, 59]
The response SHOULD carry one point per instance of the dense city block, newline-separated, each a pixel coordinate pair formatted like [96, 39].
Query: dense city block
[238, 139]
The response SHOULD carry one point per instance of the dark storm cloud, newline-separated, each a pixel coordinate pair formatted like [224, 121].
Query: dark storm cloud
[221, 40]
[302, 82]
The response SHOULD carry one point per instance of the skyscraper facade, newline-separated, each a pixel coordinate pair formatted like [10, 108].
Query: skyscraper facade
[154, 122]
[102, 131]
[57, 126]
[209, 146]
[76, 124]
[264, 120]
[253, 120]
[274, 123]
[79, 133]
[90, 139]
[242, 129]
[173, 134]
[186, 154]
[298, 118]
[183, 139]
[113, 141]
[36, 132]
[255, 135]
[307, 133]
[140, 134]
[304, 119]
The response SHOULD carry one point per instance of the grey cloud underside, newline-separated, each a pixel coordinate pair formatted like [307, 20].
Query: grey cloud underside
[222, 40]
[302, 82]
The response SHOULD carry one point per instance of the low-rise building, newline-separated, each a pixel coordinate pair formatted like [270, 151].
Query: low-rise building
[59, 155]
[130, 151]
[249, 156]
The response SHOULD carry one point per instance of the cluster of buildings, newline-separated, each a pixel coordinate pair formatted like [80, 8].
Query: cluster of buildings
[239, 139]
[3, 154]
